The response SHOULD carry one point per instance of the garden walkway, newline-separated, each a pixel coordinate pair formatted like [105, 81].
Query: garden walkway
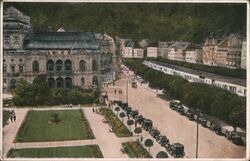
[108, 142]
[10, 130]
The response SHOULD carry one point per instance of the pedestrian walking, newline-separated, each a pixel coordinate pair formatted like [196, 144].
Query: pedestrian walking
[14, 117]
[115, 91]
[11, 118]
[141, 139]
[93, 110]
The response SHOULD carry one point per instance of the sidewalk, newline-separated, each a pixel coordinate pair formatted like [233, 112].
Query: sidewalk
[108, 142]
[10, 130]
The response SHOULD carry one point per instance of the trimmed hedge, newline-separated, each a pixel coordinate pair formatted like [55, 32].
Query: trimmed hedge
[136, 150]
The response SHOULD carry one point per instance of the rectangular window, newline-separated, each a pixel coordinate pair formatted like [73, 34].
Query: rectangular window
[21, 69]
[4, 68]
[13, 68]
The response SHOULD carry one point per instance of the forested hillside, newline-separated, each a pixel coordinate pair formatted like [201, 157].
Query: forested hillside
[187, 22]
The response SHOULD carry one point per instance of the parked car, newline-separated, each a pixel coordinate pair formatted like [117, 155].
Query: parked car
[174, 104]
[154, 132]
[176, 150]
[234, 137]
[147, 124]
[162, 140]
[216, 128]
[133, 113]
[139, 119]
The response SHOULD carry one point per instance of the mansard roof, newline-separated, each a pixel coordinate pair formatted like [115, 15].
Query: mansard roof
[61, 40]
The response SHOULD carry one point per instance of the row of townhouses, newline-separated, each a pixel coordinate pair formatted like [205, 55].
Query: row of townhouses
[229, 51]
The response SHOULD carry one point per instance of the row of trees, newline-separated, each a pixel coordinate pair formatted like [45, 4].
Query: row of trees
[214, 101]
[38, 93]
[237, 73]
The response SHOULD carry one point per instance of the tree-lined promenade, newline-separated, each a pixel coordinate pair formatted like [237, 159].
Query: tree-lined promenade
[214, 101]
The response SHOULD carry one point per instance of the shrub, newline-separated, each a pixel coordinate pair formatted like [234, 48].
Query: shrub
[161, 154]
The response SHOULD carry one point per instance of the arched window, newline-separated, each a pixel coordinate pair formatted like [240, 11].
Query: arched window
[59, 65]
[82, 81]
[94, 65]
[68, 65]
[51, 82]
[82, 65]
[95, 80]
[35, 66]
[68, 82]
[50, 65]
[59, 82]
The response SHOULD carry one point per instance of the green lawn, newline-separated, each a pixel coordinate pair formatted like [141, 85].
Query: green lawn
[6, 116]
[88, 151]
[36, 127]
[119, 128]
[136, 150]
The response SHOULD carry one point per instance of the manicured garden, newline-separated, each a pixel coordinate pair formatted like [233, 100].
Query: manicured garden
[117, 126]
[88, 151]
[135, 150]
[6, 116]
[54, 125]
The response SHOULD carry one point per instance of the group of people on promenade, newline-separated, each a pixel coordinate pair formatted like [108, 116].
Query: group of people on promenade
[13, 116]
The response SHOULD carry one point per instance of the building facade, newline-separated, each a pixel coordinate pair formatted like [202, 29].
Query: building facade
[138, 53]
[224, 52]
[68, 59]
[177, 51]
[152, 52]
[193, 56]
[244, 54]
[163, 49]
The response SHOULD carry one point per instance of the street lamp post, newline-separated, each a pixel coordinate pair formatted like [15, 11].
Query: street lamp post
[127, 90]
[197, 131]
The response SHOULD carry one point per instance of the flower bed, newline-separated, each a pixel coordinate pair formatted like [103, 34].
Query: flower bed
[117, 126]
[135, 150]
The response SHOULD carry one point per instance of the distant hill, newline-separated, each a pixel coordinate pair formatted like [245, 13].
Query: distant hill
[187, 22]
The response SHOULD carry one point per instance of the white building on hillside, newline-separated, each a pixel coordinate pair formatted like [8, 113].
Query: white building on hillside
[152, 52]
[138, 53]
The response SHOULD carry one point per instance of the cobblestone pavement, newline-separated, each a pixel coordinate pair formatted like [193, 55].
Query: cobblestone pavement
[176, 127]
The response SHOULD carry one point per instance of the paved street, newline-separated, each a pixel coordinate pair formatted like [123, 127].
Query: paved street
[176, 127]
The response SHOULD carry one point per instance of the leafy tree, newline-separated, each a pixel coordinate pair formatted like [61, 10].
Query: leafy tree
[149, 143]
[138, 130]
[23, 93]
[129, 123]
[117, 109]
[161, 154]
[41, 90]
[122, 115]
